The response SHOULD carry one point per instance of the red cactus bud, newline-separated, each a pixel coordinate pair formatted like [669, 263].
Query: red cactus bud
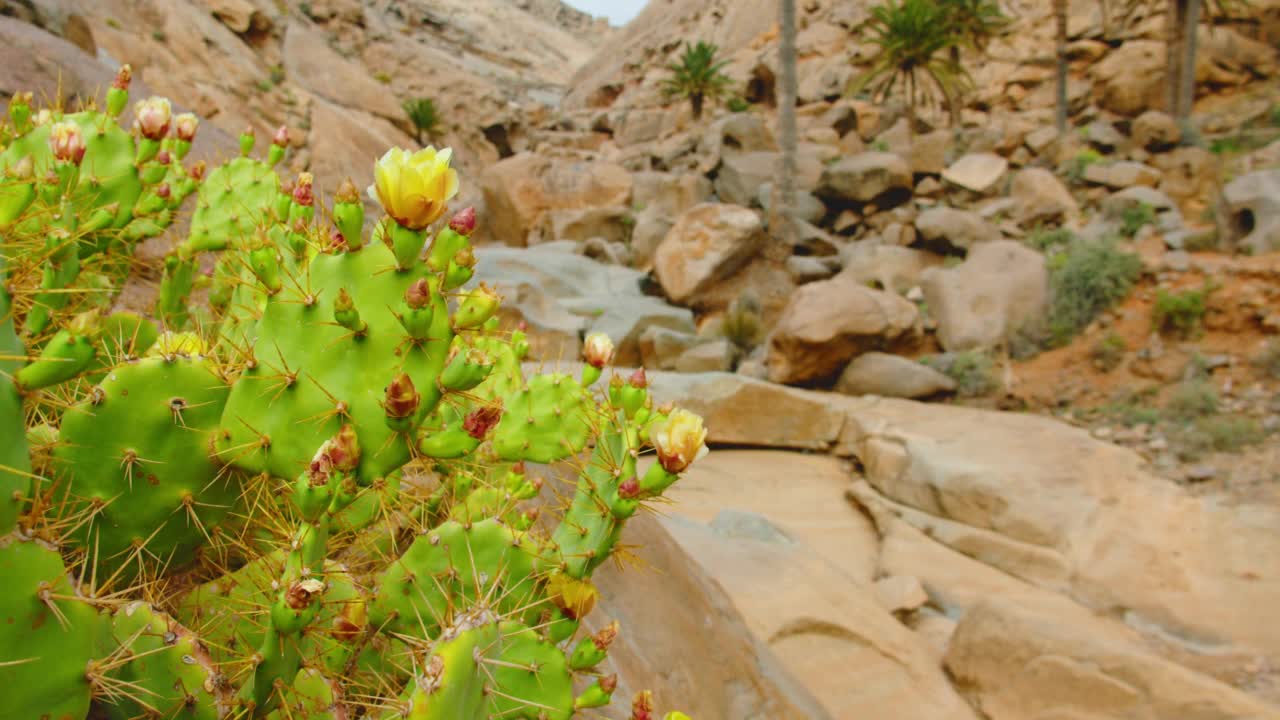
[344, 629]
[302, 191]
[402, 398]
[609, 683]
[606, 636]
[482, 420]
[518, 468]
[464, 221]
[337, 241]
[163, 191]
[343, 449]
[319, 470]
[303, 593]
[638, 379]
[197, 171]
[123, 77]
[629, 489]
[642, 706]
[163, 157]
[347, 192]
[281, 137]
[418, 295]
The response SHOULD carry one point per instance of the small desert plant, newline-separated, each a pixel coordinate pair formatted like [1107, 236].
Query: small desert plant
[1193, 399]
[1180, 313]
[1081, 162]
[972, 370]
[697, 76]
[743, 325]
[1135, 217]
[738, 104]
[1216, 433]
[914, 38]
[1269, 359]
[1086, 279]
[424, 116]
[1045, 239]
[382, 77]
[1108, 352]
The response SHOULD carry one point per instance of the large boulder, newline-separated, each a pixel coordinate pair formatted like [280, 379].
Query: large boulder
[1000, 288]
[1251, 211]
[1040, 197]
[886, 267]
[867, 177]
[1013, 659]
[742, 175]
[708, 243]
[625, 322]
[658, 199]
[310, 62]
[730, 135]
[958, 229]
[1122, 174]
[1155, 131]
[977, 172]
[826, 323]
[520, 190]
[1130, 79]
[887, 375]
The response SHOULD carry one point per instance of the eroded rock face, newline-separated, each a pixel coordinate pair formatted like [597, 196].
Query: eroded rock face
[959, 229]
[1039, 196]
[830, 321]
[708, 243]
[1002, 286]
[1252, 210]
[519, 190]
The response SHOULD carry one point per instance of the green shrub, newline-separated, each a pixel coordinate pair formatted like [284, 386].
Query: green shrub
[697, 76]
[382, 77]
[1135, 217]
[1108, 352]
[424, 116]
[1180, 313]
[1269, 359]
[1218, 433]
[972, 370]
[1081, 162]
[1045, 239]
[1193, 399]
[738, 104]
[1086, 279]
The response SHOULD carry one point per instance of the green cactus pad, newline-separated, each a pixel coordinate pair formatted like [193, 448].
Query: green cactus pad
[138, 450]
[450, 569]
[168, 671]
[549, 419]
[233, 201]
[311, 375]
[47, 637]
[15, 464]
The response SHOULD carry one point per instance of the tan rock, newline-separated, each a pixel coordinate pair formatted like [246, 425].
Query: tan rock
[866, 177]
[960, 229]
[520, 189]
[312, 64]
[826, 323]
[1039, 197]
[887, 267]
[1123, 174]
[708, 243]
[1156, 131]
[1002, 286]
[240, 15]
[898, 593]
[1020, 664]
[1130, 79]
[887, 375]
[978, 172]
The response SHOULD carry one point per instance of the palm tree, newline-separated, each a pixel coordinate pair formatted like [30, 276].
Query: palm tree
[913, 36]
[697, 76]
[1060, 20]
[784, 199]
[974, 23]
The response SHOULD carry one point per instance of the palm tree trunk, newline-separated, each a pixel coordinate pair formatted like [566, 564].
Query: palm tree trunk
[911, 107]
[695, 100]
[1173, 23]
[1187, 86]
[1060, 17]
[784, 200]
[953, 103]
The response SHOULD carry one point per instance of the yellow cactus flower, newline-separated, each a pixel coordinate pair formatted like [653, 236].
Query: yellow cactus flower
[574, 597]
[415, 188]
[680, 440]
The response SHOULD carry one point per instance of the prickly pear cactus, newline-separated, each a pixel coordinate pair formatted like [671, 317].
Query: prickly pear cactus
[320, 504]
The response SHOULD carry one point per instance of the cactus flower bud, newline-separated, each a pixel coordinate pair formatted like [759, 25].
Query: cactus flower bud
[42, 118]
[343, 449]
[679, 441]
[574, 597]
[418, 295]
[642, 706]
[152, 117]
[196, 172]
[185, 125]
[67, 142]
[24, 169]
[123, 77]
[346, 314]
[281, 138]
[638, 379]
[401, 399]
[303, 593]
[609, 683]
[466, 257]
[464, 221]
[163, 191]
[476, 307]
[480, 421]
[414, 188]
[606, 636]
[597, 350]
[302, 193]
[347, 192]
[163, 157]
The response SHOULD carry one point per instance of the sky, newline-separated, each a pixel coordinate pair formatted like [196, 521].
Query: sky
[618, 11]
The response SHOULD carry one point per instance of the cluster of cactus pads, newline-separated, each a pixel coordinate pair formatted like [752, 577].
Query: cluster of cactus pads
[330, 491]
